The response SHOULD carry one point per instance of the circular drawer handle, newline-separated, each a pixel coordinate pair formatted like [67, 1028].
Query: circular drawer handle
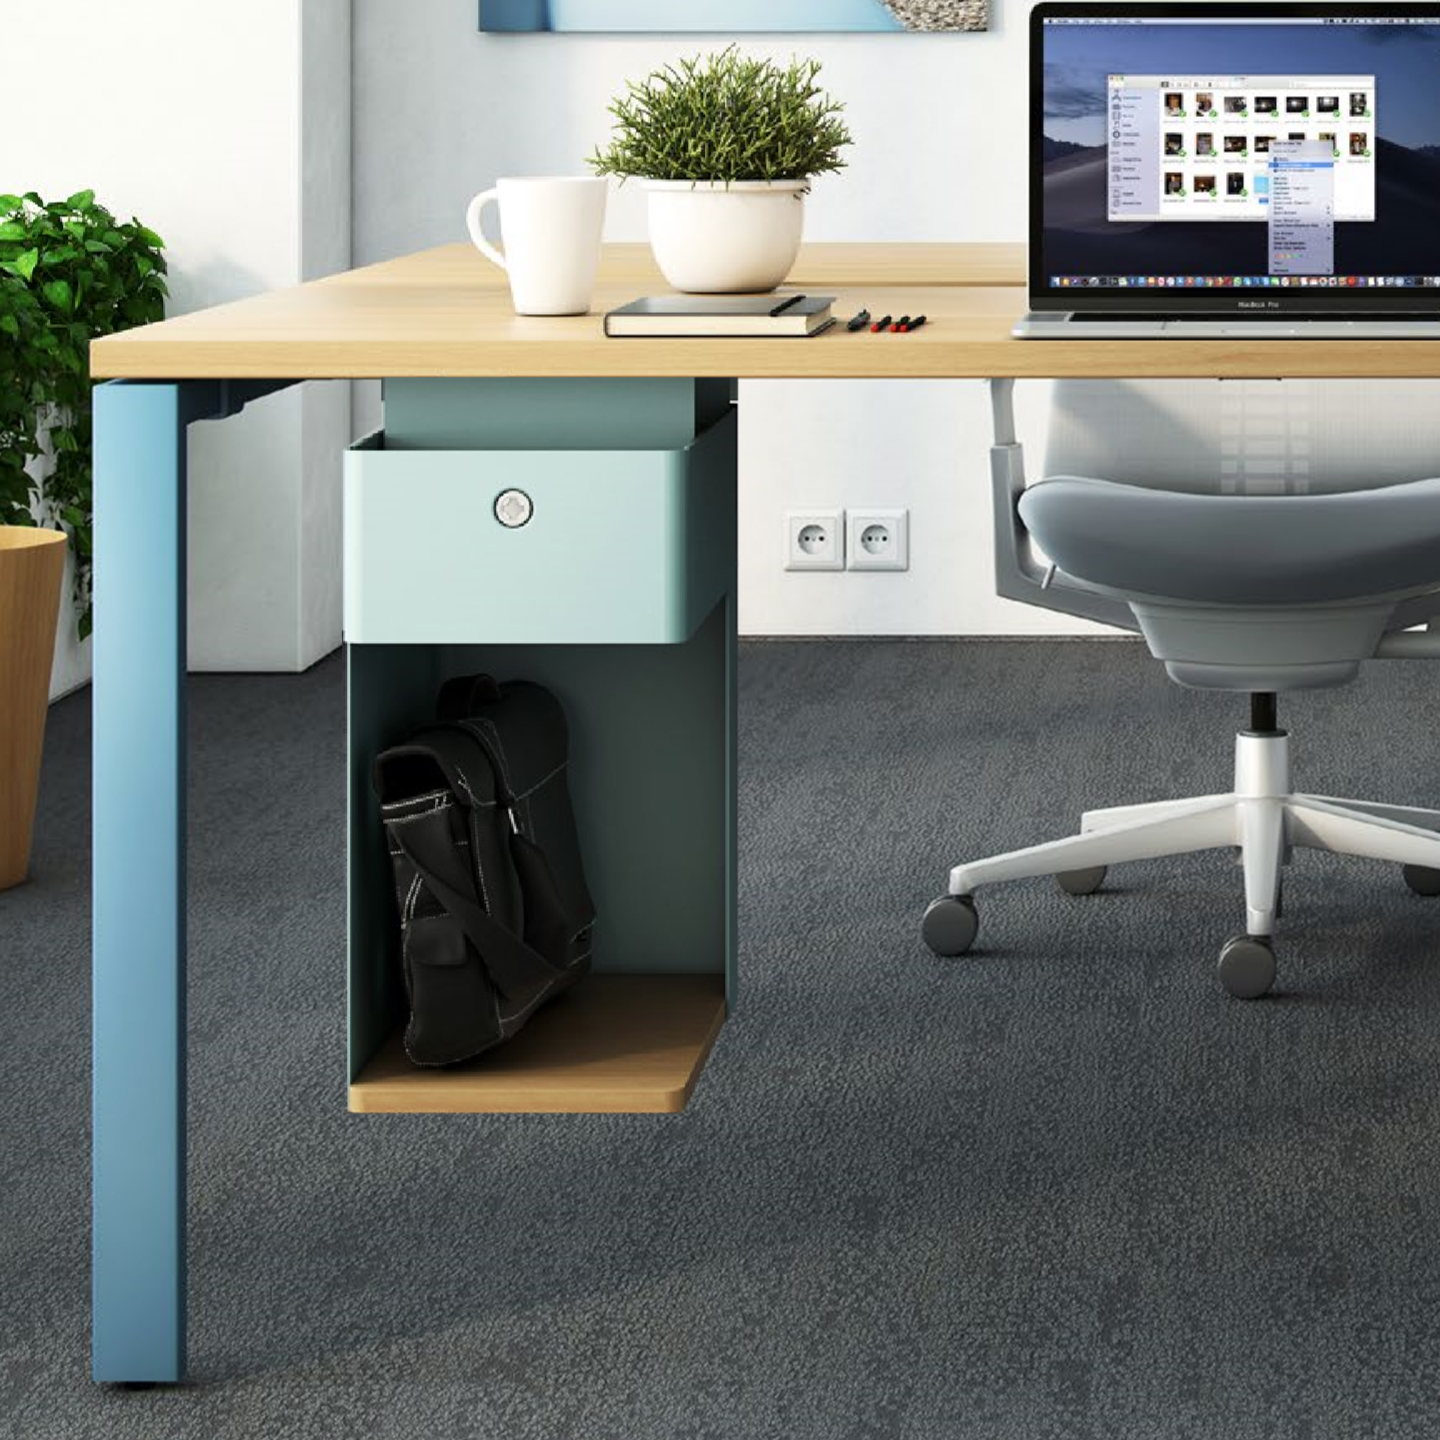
[513, 509]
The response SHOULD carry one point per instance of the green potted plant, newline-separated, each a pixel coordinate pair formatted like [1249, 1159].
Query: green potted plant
[69, 271]
[726, 146]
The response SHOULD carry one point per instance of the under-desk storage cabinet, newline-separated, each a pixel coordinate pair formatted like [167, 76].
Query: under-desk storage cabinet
[613, 584]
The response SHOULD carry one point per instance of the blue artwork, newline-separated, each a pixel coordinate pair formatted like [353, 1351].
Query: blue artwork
[719, 17]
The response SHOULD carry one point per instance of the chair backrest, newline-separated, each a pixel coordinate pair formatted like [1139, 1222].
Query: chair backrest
[1256, 437]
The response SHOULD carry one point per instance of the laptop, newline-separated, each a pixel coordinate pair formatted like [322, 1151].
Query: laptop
[1251, 170]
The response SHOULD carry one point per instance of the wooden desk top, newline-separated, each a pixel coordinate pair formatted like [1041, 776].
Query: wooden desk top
[446, 312]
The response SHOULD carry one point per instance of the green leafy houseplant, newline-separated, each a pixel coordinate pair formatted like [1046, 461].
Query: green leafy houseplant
[725, 117]
[69, 272]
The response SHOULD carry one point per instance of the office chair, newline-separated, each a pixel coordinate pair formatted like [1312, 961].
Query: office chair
[1263, 536]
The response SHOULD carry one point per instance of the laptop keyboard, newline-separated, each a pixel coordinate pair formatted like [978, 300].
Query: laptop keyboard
[1287, 317]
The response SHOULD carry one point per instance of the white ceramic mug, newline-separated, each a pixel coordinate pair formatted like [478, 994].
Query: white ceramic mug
[551, 229]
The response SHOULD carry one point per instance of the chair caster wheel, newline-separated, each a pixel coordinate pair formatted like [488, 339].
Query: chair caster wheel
[1247, 966]
[1081, 882]
[1422, 879]
[950, 925]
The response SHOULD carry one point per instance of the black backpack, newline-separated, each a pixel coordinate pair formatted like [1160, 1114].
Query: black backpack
[495, 915]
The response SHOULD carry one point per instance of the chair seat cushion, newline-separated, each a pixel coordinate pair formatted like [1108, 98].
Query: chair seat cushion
[1239, 549]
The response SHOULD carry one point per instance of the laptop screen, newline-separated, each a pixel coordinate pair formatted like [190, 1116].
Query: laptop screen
[1235, 157]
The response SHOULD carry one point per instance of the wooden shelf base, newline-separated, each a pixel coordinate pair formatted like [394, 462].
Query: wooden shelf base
[615, 1044]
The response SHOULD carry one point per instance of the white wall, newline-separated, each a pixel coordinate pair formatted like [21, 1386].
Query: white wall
[939, 124]
[191, 117]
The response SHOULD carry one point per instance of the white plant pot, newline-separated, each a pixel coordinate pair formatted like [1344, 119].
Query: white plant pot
[73, 664]
[713, 238]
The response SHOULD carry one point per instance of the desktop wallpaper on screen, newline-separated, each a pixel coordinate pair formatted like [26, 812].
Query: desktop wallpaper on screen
[1080, 239]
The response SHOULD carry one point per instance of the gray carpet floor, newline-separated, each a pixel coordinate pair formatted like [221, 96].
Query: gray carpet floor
[1061, 1188]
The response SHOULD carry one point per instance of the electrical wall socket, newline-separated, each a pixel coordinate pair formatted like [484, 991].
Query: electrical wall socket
[814, 540]
[878, 539]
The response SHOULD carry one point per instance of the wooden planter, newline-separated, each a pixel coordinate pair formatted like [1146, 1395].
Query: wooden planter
[31, 565]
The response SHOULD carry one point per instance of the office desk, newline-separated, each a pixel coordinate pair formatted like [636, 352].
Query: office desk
[641, 648]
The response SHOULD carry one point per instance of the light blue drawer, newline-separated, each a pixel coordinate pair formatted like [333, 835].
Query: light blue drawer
[621, 547]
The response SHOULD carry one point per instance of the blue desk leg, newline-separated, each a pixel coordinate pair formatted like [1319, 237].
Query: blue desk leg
[139, 878]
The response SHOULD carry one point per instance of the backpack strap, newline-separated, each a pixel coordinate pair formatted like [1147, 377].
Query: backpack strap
[517, 970]
[462, 695]
[463, 763]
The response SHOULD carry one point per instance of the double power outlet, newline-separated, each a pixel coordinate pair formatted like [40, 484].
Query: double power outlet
[847, 539]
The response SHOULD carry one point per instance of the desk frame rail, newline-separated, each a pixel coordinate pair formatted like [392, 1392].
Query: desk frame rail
[139, 862]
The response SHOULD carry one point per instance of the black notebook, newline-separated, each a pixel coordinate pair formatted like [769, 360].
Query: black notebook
[722, 315]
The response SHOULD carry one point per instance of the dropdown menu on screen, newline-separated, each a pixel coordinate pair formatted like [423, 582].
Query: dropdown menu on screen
[1302, 208]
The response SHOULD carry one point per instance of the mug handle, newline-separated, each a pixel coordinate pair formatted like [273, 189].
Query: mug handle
[472, 223]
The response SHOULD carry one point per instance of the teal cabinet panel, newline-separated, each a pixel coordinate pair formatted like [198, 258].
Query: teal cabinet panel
[517, 412]
[631, 546]
[390, 691]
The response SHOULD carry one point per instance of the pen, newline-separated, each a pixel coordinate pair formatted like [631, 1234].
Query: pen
[860, 321]
[785, 304]
[903, 323]
[915, 324]
[879, 325]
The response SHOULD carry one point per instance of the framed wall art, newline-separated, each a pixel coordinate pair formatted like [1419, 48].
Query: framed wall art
[722, 17]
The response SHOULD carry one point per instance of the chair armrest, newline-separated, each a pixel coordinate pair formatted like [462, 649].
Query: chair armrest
[1419, 610]
[1403, 643]
[1018, 574]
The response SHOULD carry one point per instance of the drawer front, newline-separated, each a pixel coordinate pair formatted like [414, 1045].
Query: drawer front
[619, 547]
